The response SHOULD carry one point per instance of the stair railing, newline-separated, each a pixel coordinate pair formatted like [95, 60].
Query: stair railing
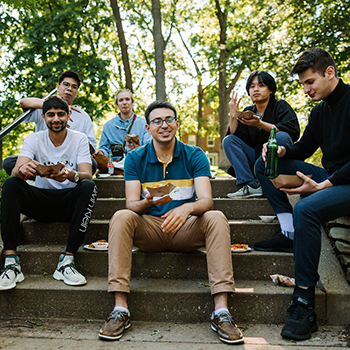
[9, 127]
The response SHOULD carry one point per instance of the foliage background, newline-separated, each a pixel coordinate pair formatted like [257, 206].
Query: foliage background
[210, 47]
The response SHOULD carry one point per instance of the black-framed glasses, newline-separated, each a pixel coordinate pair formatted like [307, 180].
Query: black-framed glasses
[159, 121]
[66, 85]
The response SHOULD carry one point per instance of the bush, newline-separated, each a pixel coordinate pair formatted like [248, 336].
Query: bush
[3, 176]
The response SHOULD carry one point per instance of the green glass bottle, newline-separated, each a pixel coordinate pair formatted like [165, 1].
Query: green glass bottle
[271, 155]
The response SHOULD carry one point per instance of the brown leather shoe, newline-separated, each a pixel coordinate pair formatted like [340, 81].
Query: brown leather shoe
[225, 327]
[115, 325]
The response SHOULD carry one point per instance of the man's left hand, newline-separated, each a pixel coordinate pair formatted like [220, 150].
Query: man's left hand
[255, 121]
[309, 186]
[61, 176]
[174, 219]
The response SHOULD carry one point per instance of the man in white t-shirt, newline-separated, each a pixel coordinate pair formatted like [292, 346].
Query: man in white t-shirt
[68, 86]
[68, 195]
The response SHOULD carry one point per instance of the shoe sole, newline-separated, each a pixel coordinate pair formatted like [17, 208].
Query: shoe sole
[19, 278]
[245, 196]
[107, 337]
[283, 250]
[290, 335]
[59, 277]
[237, 341]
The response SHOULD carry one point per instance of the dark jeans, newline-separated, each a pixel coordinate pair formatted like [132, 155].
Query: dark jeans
[74, 205]
[308, 215]
[9, 163]
[242, 157]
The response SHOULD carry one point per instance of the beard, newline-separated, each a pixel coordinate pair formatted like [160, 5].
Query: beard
[56, 130]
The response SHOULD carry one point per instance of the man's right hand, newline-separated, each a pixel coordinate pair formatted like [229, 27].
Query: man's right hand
[28, 169]
[280, 152]
[161, 201]
[234, 105]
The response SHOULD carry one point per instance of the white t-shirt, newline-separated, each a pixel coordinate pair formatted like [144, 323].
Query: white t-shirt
[73, 151]
[80, 122]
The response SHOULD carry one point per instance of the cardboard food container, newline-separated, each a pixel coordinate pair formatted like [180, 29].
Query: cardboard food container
[245, 115]
[133, 138]
[161, 190]
[288, 181]
[46, 170]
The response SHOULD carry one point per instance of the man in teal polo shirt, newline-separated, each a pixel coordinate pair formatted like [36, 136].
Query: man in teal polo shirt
[181, 222]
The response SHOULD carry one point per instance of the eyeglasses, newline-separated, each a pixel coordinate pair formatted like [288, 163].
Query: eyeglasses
[158, 121]
[66, 85]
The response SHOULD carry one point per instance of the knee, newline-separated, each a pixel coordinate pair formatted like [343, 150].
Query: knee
[88, 186]
[283, 138]
[11, 184]
[216, 217]
[121, 218]
[230, 141]
[259, 166]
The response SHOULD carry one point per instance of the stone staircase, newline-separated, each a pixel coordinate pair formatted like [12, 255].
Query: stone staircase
[168, 286]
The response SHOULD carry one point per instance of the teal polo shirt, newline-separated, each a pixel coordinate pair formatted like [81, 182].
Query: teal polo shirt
[188, 163]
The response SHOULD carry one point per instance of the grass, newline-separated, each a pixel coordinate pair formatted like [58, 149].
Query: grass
[3, 176]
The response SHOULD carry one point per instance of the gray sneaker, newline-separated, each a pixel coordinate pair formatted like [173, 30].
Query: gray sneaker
[246, 192]
[10, 274]
[67, 272]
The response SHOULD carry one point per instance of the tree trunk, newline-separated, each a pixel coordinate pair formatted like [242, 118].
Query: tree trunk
[223, 103]
[199, 114]
[159, 47]
[123, 46]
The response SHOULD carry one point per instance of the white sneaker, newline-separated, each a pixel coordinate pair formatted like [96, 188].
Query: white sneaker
[246, 192]
[10, 274]
[67, 272]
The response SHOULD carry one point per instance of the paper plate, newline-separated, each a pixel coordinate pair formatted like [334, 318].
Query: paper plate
[101, 176]
[240, 248]
[97, 246]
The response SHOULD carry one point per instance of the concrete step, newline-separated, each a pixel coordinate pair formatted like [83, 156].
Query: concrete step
[115, 187]
[33, 232]
[150, 300]
[42, 260]
[249, 208]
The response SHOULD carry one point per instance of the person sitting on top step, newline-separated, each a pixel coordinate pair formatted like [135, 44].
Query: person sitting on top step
[113, 137]
[67, 88]
[68, 195]
[325, 197]
[245, 137]
[181, 224]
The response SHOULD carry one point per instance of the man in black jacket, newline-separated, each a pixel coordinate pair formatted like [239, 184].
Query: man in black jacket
[245, 137]
[326, 196]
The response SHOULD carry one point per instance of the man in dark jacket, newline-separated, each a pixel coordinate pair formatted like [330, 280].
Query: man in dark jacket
[326, 196]
[245, 137]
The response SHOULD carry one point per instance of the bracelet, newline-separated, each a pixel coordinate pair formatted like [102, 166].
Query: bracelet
[22, 175]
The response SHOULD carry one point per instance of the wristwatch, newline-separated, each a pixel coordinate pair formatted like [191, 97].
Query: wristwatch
[76, 177]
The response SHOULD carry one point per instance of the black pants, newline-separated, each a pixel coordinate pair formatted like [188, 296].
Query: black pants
[74, 205]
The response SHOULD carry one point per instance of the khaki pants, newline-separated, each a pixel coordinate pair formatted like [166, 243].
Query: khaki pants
[143, 231]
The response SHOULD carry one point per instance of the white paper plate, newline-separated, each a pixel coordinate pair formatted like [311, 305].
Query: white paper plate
[101, 176]
[97, 246]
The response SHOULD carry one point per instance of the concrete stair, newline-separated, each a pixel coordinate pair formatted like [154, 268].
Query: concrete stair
[165, 286]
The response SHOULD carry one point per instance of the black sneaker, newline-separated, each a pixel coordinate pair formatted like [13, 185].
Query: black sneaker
[301, 322]
[277, 243]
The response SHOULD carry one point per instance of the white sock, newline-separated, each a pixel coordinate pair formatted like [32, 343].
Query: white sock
[286, 223]
[222, 309]
[122, 308]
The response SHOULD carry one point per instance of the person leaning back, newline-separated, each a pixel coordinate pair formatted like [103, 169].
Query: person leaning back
[66, 195]
[181, 224]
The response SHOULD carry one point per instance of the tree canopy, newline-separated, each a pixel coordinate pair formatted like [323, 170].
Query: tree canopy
[189, 52]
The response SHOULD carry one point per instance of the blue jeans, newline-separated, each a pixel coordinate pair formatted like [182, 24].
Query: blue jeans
[242, 157]
[308, 215]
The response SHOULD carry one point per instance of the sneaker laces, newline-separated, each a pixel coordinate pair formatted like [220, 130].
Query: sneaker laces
[225, 317]
[117, 314]
[70, 266]
[298, 310]
[6, 269]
